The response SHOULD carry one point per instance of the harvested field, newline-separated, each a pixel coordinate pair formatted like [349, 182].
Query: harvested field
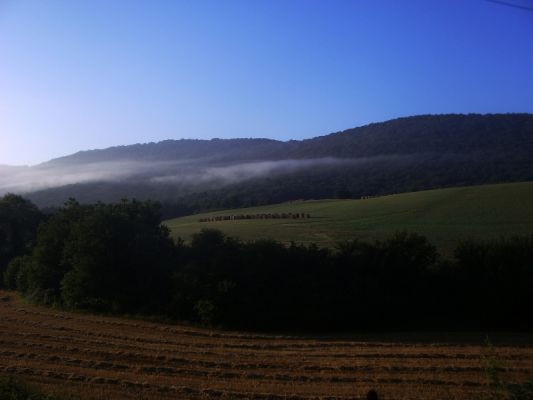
[94, 357]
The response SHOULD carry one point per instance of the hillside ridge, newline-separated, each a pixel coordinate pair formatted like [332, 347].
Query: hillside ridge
[214, 146]
[401, 155]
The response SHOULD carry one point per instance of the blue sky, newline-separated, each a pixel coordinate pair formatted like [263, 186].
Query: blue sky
[91, 74]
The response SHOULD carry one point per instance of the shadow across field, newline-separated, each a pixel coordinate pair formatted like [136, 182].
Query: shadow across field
[94, 357]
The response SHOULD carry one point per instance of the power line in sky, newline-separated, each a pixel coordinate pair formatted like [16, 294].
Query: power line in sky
[505, 3]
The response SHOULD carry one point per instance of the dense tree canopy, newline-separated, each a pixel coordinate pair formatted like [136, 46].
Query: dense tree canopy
[19, 219]
[401, 155]
[119, 258]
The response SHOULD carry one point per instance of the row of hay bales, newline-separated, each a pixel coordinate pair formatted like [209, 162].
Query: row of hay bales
[256, 216]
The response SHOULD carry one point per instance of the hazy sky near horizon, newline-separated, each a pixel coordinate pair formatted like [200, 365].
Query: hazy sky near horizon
[78, 75]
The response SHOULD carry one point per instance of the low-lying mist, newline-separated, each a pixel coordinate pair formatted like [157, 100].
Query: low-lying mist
[189, 173]
[234, 173]
[45, 176]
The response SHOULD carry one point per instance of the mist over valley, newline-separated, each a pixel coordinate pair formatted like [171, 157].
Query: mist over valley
[406, 154]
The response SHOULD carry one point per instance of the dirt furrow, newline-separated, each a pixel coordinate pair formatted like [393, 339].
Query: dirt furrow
[110, 358]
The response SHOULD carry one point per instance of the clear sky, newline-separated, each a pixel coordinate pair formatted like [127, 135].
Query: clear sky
[91, 74]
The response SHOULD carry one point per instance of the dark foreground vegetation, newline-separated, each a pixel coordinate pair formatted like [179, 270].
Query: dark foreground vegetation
[119, 258]
[11, 389]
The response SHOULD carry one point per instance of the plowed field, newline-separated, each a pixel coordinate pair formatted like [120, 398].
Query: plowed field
[94, 357]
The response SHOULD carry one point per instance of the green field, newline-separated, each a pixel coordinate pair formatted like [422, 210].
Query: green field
[445, 216]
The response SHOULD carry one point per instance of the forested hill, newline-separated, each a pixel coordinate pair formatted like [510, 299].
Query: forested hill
[404, 154]
[452, 133]
[173, 150]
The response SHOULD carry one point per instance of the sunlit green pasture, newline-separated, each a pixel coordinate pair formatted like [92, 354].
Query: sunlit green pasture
[445, 216]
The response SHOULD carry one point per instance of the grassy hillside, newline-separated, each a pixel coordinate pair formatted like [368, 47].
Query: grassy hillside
[444, 216]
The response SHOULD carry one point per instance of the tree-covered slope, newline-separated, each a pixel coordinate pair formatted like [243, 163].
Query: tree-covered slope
[402, 155]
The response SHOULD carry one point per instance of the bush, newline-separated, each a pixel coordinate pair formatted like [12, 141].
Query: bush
[12, 272]
[19, 219]
[495, 279]
[11, 389]
[120, 259]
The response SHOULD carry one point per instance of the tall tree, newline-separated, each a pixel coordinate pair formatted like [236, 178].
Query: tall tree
[19, 219]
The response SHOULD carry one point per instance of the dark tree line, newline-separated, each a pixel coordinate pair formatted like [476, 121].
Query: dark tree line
[19, 219]
[119, 258]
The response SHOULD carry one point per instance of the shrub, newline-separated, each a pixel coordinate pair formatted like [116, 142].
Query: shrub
[11, 389]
